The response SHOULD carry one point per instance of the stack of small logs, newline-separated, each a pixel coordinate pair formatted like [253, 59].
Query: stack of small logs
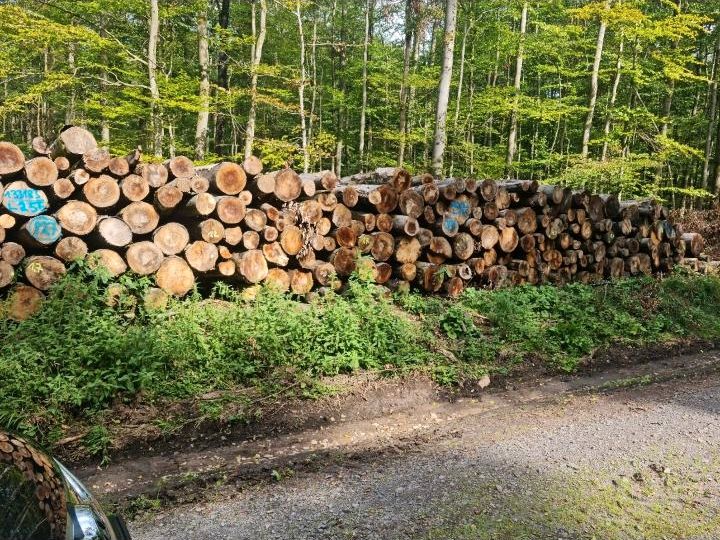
[306, 233]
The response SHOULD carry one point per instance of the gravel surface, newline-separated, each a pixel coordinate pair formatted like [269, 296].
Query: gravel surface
[640, 462]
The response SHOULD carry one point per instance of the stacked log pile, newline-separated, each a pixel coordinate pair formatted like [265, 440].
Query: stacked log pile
[307, 233]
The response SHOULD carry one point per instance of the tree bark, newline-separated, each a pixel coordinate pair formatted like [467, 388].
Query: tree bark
[594, 85]
[301, 89]
[153, 35]
[512, 134]
[201, 129]
[254, 64]
[369, 8]
[613, 98]
[440, 139]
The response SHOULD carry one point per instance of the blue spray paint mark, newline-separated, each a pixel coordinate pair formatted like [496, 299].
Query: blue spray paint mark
[44, 229]
[25, 202]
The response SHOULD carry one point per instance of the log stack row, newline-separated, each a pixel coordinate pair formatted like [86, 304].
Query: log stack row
[182, 223]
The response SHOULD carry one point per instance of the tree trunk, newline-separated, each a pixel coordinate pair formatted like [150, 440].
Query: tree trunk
[222, 75]
[301, 89]
[369, 8]
[613, 98]
[440, 139]
[154, 31]
[201, 130]
[254, 64]
[404, 88]
[512, 134]
[712, 113]
[594, 85]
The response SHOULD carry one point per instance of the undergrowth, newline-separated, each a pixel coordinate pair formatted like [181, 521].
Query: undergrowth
[88, 351]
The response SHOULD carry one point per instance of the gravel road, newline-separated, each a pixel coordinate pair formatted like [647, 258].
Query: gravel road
[638, 460]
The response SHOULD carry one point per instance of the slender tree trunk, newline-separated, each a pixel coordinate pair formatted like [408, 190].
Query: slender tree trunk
[404, 90]
[440, 139]
[254, 64]
[313, 67]
[512, 134]
[154, 31]
[613, 97]
[369, 7]
[301, 89]
[70, 111]
[458, 97]
[594, 85]
[223, 79]
[201, 129]
[712, 112]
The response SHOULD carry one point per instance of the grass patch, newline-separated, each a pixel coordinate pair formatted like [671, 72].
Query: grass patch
[82, 354]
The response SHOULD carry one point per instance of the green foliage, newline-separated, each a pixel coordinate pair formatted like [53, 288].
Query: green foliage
[93, 345]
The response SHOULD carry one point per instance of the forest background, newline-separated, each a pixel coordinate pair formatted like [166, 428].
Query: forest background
[614, 95]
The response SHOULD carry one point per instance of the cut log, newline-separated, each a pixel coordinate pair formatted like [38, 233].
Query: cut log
[77, 218]
[96, 160]
[230, 210]
[489, 237]
[79, 177]
[270, 234]
[508, 240]
[23, 201]
[308, 188]
[12, 253]
[344, 260]
[233, 236]
[209, 230]
[349, 195]
[463, 246]
[155, 299]
[278, 280]
[252, 266]
[199, 184]
[40, 232]
[108, 260]
[255, 219]
[301, 282]
[180, 167]
[407, 250]
[144, 258]
[310, 212]
[42, 272]
[62, 189]
[73, 143]
[228, 178]
[383, 246]
[328, 201]
[342, 216]
[141, 217]
[275, 255]
[63, 165]
[250, 240]
[526, 221]
[7, 274]
[71, 248]
[112, 232]
[155, 174]
[171, 238]
[201, 256]
[252, 166]
[291, 240]
[24, 302]
[201, 205]
[429, 277]
[405, 225]
[41, 171]
[325, 275]
[345, 237]
[694, 244]
[134, 188]
[388, 199]
[411, 203]
[119, 167]
[175, 276]
[288, 185]
[102, 192]
[401, 180]
[167, 198]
